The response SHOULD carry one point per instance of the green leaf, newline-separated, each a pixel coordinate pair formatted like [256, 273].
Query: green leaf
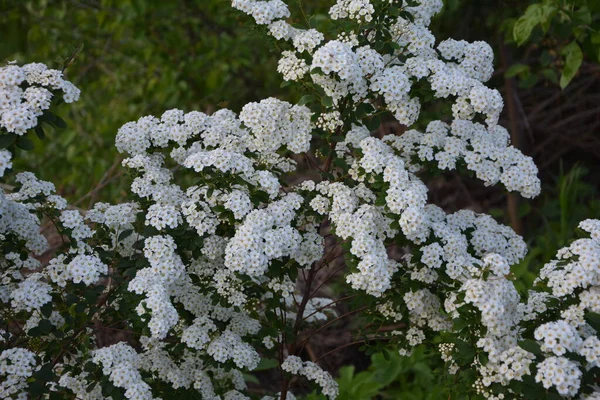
[531, 346]
[550, 74]
[59, 122]
[516, 69]
[373, 123]
[593, 319]
[125, 234]
[36, 389]
[39, 131]
[327, 101]
[534, 15]
[465, 351]
[285, 83]
[44, 374]
[251, 378]
[45, 326]
[595, 40]
[583, 16]
[306, 99]
[573, 59]
[7, 140]
[524, 25]
[24, 143]
[46, 309]
[266, 363]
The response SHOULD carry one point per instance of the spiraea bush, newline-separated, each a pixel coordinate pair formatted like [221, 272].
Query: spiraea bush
[213, 264]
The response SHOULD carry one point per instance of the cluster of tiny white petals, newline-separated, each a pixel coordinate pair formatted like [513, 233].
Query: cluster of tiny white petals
[31, 186]
[394, 86]
[121, 364]
[116, 217]
[484, 151]
[359, 10]
[558, 337]
[506, 362]
[31, 294]
[425, 310]
[229, 346]
[16, 366]
[312, 372]
[166, 268]
[590, 349]
[307, 40]
[576, 266]
[5, 161]
[560, 373]
[330, 121]
[265, 235]
[536, 305]
[497, 299]
[74, 221]
[26, 92]
[86, 268]
[275, 123]
[291, 67]
[263, 12]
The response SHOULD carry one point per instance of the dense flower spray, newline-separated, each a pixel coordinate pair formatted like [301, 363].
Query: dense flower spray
[212, 265]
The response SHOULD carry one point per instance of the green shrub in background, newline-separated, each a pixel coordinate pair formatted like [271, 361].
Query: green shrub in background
[138, 58]
[554, 217]
[561, 32]
[391, 376]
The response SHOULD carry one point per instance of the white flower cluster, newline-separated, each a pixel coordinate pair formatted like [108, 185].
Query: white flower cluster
[121, 364]
[31, 294]
[484, 151]
[560, 373]
[394, 86]
[425, 310]
[16, 366]
[576, 266]
[26, 92]
[266, 234]
[263, 11]
[457, 68]
[275, 123]
[291, 67]
[573, 281]
[5, 161]
[84, 268]
[503, 366]
[359, 10]
[165, 269]
[312, 372]
[307, 40]
[558, 337]
[535, 306]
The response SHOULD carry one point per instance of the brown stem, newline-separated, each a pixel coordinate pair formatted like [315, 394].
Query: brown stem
[331, 322]
[331, 155]
[328, 305]
[515, 136]
[306, 296]
[348, 345]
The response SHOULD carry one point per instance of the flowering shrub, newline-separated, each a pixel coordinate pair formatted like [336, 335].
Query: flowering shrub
[214, 263]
